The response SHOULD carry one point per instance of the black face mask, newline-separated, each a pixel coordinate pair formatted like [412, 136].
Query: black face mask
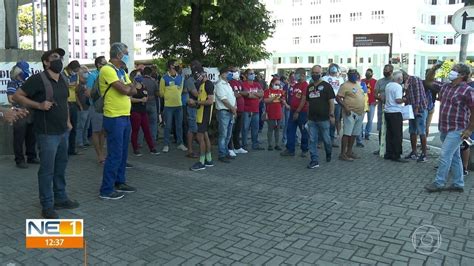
[387, 74]
[56, 66]
[316, 77]
[176, 68]
[368, 76]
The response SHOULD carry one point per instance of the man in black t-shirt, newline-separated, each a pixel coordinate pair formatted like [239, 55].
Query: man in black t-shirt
[52, 126]
[320, 97]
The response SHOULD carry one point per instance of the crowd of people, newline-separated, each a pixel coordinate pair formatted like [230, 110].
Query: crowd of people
[60, 109]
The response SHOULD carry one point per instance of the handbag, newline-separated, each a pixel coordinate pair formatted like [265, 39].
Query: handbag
[407, 112]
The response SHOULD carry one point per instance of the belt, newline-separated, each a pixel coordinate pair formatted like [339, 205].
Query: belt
[224, 110]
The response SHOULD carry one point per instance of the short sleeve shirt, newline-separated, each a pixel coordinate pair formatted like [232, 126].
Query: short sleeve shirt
[273, 109]
[354, 97]
[116, 104]
[298, 91]
[318, 97]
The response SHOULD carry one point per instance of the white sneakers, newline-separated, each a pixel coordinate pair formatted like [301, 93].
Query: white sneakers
[232, 153]
[182, 147]
[241, 150]
[166, 149]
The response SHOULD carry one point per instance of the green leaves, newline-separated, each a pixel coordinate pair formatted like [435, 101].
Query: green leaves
[218, 33]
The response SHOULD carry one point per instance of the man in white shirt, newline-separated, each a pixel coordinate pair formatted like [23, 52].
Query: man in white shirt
[226, 106]
[336, 81]
[393, 118]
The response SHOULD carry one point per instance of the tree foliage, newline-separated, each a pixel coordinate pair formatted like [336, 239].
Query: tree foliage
[25, 20]
[216, 32]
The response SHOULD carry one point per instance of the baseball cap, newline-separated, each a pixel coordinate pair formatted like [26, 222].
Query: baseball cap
[46, 54]
[276, 75]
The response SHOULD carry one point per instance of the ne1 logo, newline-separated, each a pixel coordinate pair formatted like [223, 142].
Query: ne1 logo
[60, 233]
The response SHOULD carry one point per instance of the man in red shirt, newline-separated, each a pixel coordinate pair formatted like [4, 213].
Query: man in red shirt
[235, 143]
[298, 115]
[252, 93]
[370, 82]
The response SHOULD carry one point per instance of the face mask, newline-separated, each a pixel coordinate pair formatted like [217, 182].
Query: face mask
[352, 77]
[297, 77]
[176, 68]
[453, 75]
[235, 75]
[251, 77]
[56, 66]
[125, 59]
[276, 87]
[24, 75]
[333, 69]
[316, 77]
[230, 76]
[387, 74]
[138, 78]
[368, 76]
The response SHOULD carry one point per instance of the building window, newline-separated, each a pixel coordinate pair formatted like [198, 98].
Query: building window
[102, 2]
[315, 2]
[68, 14]
[296, 21]
[378, 15]
[278, 21]
[315, 19]
[433, 20]
[448, 40]
[434, 2]
[68, 40]
[76, 15]
[85, 42]
[138, 24]
[77, 55]
[355, 16]
[102, 28]
[335, 18]
[297, 2]
[369, 60]
[139, 51]
[94, 16]
[448, 19]
[277, 60]
[76, 2]
[85, 5]
[349, 60]
[85, 29]
[76, 41]
[453, 2]
[296, 40]
[94, 42]
[330, 60]
[94, 29]
[361, 60]
[69, 28]
[102, 15]
[93, 5]
[294, 60]
[76, 28]
[432, 39]
[311, 59]
[315, 39]
[102, 41]
[335, 1]
[94, 55]
[432, 61]
[102, 53]
[85, 16]
[86, 56]
[138, 37]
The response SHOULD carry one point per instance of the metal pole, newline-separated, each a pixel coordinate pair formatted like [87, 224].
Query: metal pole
[42, 25]
[356, 58]
[48, 4]
[463, 51]
[390, 49]
[34, 24]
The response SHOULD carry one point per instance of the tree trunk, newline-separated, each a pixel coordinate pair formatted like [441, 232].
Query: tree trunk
[195, 33]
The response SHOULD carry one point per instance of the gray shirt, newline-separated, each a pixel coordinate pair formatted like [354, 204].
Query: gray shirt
[151, 87]
[380, 86]
[190, 85]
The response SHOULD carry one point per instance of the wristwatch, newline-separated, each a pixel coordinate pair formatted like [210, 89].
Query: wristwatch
[331, 115]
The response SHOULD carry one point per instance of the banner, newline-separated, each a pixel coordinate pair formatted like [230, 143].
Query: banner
[5, 67]
[211, 72]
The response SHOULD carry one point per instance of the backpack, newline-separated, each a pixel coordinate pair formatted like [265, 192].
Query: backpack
[97, 99]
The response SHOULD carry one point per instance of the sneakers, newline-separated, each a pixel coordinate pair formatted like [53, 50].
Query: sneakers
[313, 164]
[411, 156]
[137, 153]
[124, 188]
[33, 161]
[277, 148]
[270, 148]
[166, 148]
[22, 165]
[287, 153]
[258, 148]
[197, 167]
[465, 172]
[232, 153]
[422, 159]
[241, 151]
[360, 145]
[155, 152]
[112, 196]
[208, 163]
[230, 157]
[433, 188]
[182, 147]
[68, 204]
[328, 158]
[49, 213]
[223, 160]
[454, 188]
[128, 165]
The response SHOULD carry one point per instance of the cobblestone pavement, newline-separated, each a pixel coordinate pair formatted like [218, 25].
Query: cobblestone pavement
[261, 208]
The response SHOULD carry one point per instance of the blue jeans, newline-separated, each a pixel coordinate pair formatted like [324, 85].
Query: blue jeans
[337, 117]
[316, 129]
[175, 113]
[450, 158]
[370, 120]
[291, 132]
[83, 123]
[226, 120]
[359, 137]
[53, 153]
[118, 136]
[250, 123]
[418, 125]
[284, 123]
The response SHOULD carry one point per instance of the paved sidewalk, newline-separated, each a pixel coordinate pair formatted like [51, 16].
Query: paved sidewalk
[261, 208]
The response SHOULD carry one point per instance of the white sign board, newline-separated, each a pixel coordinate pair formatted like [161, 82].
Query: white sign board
[5, 68]
[463, 20]
[211, 72]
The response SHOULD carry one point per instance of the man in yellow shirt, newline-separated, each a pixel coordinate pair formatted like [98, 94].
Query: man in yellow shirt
[70, 71]
[116, 89]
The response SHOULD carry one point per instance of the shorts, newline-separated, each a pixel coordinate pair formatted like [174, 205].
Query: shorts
[96, 120]
[192, 124]
[352, 124]
[203, 127]
[418, 125]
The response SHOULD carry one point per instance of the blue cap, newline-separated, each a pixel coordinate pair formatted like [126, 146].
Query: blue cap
[24, 66]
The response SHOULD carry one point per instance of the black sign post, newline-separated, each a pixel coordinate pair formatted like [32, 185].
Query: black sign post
[371, 40]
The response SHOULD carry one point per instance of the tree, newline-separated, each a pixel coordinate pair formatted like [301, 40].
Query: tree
[216, 32]
[25, 20]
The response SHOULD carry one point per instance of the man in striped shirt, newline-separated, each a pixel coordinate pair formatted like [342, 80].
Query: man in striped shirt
[455, 124]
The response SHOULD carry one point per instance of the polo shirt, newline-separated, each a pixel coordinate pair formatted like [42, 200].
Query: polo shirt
[223, 91]
[116, 104]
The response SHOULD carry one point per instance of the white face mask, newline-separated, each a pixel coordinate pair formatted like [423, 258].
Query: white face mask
[276, 86]
[236, 75]
[453, 75]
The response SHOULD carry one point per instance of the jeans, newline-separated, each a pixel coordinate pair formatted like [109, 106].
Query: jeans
[359, 137]
[53, 153]
[370, 120]
[284, 123]
[291, 132]
[176, 114]
[23, 133]
[118, 136]
[236, 131]
[250, 123]
[337, 117]
[72, 134]
[316, 129]
[226, 120]
[450, 158]
[140, 120]
[83, 123]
